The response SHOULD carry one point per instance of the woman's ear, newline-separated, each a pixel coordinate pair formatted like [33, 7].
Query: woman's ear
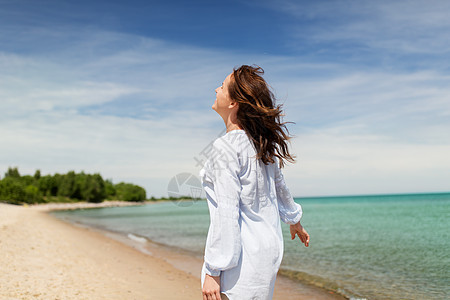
[233, 104]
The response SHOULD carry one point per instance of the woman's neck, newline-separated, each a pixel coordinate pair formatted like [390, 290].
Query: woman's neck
[233, 127]
[231, 122]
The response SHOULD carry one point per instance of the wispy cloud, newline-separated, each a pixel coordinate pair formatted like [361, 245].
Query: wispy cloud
[387, 34]
[139, 112]
[392, 99]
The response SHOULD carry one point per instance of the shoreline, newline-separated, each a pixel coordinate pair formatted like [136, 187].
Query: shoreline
[54, 206]
[131, 250]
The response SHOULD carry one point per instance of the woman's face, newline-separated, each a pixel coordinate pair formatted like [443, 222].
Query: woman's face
[222, 103]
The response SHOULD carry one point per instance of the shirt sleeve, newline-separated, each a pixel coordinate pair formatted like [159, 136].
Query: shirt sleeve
[223, 245]
[290, 212]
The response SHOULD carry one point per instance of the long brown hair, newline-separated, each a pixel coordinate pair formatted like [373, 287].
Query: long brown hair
[258, 115]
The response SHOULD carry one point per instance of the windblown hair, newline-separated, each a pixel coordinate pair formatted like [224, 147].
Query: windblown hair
[258, 114]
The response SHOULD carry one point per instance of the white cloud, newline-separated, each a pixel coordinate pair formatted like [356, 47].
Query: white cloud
[53, 111]
[331, 163]
[65, 106]
[411, 106]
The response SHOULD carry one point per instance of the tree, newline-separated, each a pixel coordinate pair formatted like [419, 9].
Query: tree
[12, 172]
[12, 190]
[94, 188]
[130, 192]
[18, 189]
[68, 187]
[110, 190]
[32, 195]
[37, 174]
[27, 180]
[55, 184]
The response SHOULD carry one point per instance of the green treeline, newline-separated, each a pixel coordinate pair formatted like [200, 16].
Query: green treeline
[70, 187]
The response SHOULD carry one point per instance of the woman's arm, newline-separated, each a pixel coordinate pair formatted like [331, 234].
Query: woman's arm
[223, 245]
[290, 212]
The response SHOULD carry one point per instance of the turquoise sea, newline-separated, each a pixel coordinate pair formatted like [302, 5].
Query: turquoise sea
[363, 247]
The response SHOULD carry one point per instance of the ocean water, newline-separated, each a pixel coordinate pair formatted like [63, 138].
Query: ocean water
[363, 247]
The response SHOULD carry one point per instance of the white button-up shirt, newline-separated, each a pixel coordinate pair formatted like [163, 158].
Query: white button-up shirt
[246, 199]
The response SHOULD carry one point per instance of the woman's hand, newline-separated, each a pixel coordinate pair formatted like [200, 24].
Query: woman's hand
[211, 288]
[301, 232]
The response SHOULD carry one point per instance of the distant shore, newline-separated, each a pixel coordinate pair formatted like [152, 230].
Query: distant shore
[80, 205]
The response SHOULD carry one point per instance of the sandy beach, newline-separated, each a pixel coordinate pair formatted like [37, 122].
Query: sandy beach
[45, 258]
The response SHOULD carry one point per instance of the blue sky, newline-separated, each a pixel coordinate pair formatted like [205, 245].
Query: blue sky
[125, 88]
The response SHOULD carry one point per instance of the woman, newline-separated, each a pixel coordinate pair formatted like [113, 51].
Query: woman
[246, 192]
